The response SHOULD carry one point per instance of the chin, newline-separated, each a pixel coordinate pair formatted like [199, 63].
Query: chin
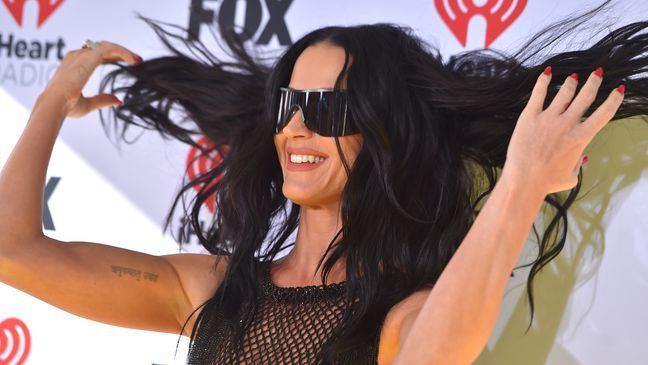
[298, 197]
[307, 198]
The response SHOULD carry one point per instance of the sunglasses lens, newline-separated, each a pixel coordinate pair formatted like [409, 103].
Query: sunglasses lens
[324, 111]
[288, 106]
[318, 112]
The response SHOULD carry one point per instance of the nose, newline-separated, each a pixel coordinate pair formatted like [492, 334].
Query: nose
[296, 126]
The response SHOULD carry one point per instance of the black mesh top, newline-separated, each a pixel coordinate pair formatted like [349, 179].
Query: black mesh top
[290, 326]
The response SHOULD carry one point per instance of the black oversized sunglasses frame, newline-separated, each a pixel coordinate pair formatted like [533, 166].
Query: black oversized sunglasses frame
[324, 111]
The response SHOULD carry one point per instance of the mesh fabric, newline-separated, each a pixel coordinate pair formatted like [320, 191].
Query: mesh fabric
[289, 327]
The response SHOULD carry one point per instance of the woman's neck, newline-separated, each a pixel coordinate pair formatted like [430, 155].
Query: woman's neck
[317, 228]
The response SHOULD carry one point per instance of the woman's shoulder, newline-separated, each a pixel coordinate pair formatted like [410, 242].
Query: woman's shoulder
[410, 303]
[200, 276]
[398, 314]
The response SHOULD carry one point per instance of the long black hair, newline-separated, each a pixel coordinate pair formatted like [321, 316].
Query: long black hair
[435, 137]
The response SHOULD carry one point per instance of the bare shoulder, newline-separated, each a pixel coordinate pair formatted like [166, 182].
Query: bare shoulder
[398, 316]
[200, 276]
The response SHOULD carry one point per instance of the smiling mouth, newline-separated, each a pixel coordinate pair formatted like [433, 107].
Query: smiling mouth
[297, 162]
[305, 159]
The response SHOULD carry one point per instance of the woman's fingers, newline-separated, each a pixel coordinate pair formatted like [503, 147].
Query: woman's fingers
[564, 96]
[86, 105]
[75, 70]
[546, 146]
[539, 92]
[564, 101]
[101, 101]
[586, 96]
[602, 115]
[112, 52]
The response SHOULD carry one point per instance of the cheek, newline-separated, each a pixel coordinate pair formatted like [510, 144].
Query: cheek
[279, 150]
[338, 176]
[338, 173]
[351, 151]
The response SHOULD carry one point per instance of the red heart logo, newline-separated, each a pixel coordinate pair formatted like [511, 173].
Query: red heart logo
[45, 9]
[15, 342]
[199, 163]
[499, 15]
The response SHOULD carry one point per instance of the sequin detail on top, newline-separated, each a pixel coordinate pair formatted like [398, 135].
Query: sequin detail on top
[290, 326]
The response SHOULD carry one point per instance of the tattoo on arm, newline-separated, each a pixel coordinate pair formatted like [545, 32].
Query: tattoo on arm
[137, 274]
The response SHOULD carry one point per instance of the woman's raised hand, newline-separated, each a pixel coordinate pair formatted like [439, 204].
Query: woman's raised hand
[75, 70]
[546, 147]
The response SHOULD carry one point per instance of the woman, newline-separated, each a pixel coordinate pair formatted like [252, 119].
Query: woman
[376, 145]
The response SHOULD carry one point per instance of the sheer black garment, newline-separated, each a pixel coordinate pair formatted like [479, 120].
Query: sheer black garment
[289, 327]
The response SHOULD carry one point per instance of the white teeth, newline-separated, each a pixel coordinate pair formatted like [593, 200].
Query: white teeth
[305, 158]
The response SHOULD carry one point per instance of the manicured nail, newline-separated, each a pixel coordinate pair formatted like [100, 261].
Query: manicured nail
[574, 76]
[621, 89]
[138, 59]
[120, 103]
[585, 159]
[599, 72]
[547, 70]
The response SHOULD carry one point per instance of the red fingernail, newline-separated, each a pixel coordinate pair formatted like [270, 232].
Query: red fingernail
[547, 70]
[599, 72]
[621, 89]
[585, 159]
[574, 76]
[119, 102]
[138, 59]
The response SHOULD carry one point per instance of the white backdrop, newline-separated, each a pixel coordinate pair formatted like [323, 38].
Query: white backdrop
[590, 300]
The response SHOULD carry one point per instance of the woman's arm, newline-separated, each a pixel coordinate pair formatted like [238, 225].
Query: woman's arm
[456, 320]
[23, 175]
[544, 156]
[99, 282]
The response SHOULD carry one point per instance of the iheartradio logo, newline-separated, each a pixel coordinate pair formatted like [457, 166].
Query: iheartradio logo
[15, 342]
[199, 163]
[499, 15]
[45, 9]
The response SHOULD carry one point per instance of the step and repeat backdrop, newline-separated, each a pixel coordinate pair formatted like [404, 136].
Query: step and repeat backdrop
[591, 300]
